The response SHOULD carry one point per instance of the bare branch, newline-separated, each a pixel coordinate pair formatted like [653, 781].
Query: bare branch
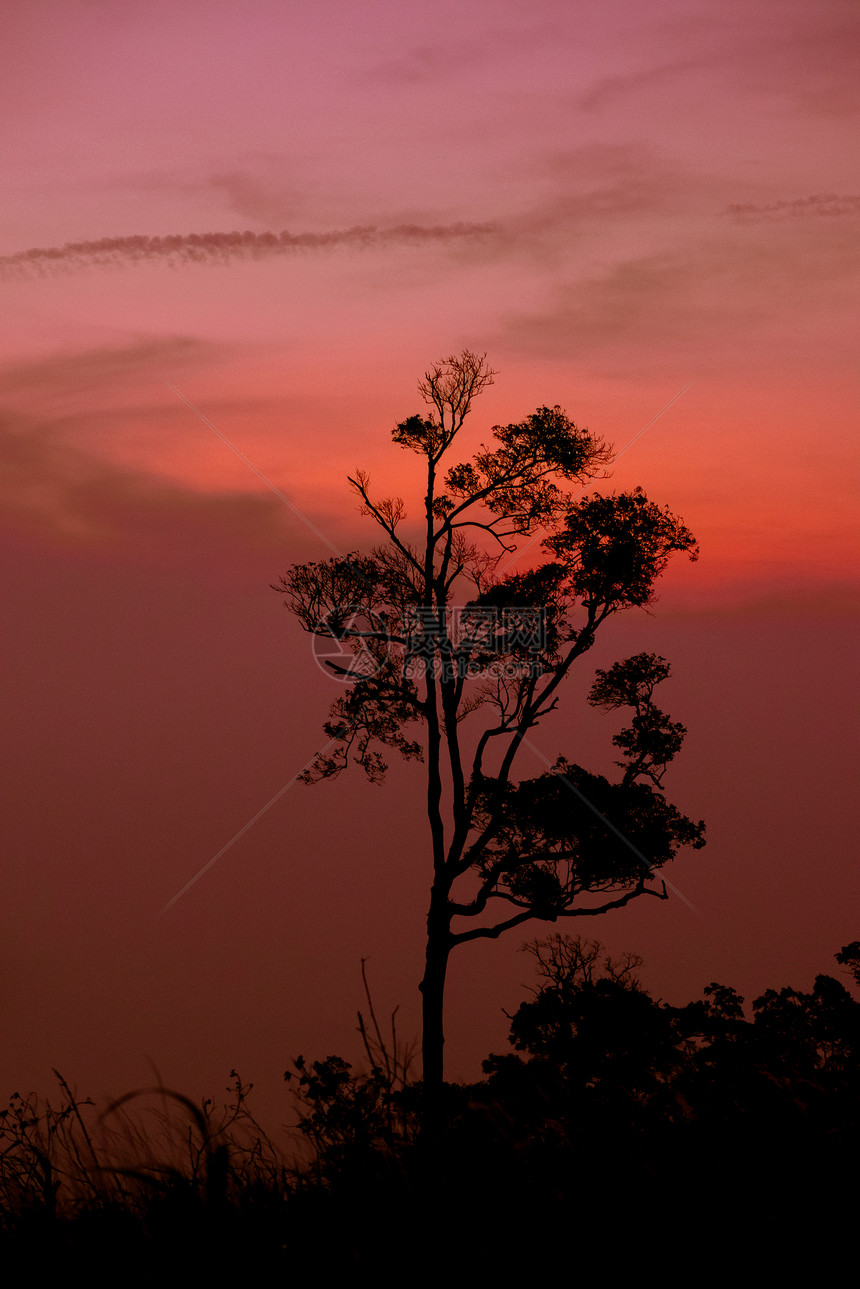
[493, 933]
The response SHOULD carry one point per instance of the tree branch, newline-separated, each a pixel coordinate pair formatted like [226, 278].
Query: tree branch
[493, 932]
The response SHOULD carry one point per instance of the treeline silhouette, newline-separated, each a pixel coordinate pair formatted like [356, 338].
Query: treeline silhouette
[619, 1133]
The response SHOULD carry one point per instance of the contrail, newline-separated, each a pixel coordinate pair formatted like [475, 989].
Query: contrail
[221, 248]
[832, 204]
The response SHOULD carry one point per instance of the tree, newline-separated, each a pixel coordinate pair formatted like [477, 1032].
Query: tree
[601, 1048]
[423, 650]
[702, 1094]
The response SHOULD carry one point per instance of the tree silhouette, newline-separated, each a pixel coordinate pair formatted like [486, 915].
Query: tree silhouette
[741, 1122]
[437, 633]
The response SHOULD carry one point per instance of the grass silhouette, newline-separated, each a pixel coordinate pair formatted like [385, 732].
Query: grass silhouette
[619, 1126]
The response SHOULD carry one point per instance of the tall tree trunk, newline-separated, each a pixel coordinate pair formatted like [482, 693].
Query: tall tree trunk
[433, 989]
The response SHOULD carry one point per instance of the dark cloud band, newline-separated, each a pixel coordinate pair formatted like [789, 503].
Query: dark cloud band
[223, 248]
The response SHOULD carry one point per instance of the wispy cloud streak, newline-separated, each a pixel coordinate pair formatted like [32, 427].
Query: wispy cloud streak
[224, 248]
[827, 204]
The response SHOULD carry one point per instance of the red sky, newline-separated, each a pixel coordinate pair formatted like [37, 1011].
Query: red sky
[617, 205]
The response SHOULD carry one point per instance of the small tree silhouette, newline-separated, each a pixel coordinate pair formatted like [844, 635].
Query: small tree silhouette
[420, 649]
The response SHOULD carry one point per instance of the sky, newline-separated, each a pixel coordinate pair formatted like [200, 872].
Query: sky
[234, 238]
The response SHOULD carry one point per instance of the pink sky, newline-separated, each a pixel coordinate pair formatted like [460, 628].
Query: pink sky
[617, 205]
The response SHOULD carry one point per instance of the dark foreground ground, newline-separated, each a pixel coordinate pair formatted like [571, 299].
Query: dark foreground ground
[619, 1136]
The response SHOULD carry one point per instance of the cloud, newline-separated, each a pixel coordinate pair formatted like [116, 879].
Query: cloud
[223, 248]
[253, 187]
[38, 382]
[709, 299]
[584, 187]
[637, 260]
[487, 50]
[96, 451]
[263, 197]
[605, 91]
[826, 204]
[54, 488]
[798, 52]
[63, 416]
